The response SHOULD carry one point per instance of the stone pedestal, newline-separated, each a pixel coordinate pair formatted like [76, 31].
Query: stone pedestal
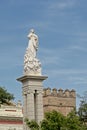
[32, 97]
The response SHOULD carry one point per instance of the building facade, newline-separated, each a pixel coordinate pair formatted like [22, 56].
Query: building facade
[11, 117]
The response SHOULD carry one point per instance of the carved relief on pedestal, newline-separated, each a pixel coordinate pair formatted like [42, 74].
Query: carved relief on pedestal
[32, 65]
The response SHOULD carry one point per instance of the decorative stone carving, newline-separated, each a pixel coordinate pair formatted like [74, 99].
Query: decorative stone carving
[32, 65]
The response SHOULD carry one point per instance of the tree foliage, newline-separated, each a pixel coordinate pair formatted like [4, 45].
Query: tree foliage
[56, 121]
[82, 111]
[73, 122]
[53, 121]
[33, 125]
[5, 96]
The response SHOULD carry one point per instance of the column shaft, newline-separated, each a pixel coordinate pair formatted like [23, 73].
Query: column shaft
[39, 107]
[30, 106]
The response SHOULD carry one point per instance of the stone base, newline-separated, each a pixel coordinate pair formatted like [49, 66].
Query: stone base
[32, 97]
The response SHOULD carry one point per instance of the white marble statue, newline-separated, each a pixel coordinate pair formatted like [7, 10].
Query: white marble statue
[32, 65]
[33, 42]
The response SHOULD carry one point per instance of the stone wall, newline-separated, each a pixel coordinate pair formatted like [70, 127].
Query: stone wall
[11, 127]
[60, 100]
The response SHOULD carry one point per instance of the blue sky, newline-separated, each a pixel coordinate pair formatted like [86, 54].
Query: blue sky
[61, 26]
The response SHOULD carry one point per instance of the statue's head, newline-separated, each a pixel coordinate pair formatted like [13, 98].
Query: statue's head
[32, 30]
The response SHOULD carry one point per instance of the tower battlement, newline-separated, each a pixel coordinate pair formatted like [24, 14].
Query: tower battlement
[59, 93]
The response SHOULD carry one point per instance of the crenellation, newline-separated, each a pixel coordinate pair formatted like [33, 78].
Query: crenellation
[73, 93]
[59, 93]
[67, 93]
[44, 92]
[48, 91]
[54, 92]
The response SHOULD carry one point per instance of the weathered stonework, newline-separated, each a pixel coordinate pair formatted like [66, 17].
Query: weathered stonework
[59, 100]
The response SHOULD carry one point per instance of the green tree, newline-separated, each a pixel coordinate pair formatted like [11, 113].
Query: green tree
[82, 111]
[73, 122]
[33, 125]
[53, 121]
[5, 96]
[56, 121]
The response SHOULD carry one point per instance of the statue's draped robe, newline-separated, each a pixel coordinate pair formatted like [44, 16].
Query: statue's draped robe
[33, 44]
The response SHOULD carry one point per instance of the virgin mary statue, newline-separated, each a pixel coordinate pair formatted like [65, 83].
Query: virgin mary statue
[32, 65]
[33, 43]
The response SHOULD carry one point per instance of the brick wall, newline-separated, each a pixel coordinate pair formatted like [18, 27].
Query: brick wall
[60, 100]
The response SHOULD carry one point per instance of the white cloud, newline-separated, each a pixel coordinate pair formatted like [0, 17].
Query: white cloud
[78, 79]
[50, 56]
[68, 76]
[77, 48]
[67, 71]
[18, 2]
[62, 4]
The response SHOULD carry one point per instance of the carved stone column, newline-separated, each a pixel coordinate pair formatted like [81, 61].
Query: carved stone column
[30, 106]
[39, 106]
[25, 104]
